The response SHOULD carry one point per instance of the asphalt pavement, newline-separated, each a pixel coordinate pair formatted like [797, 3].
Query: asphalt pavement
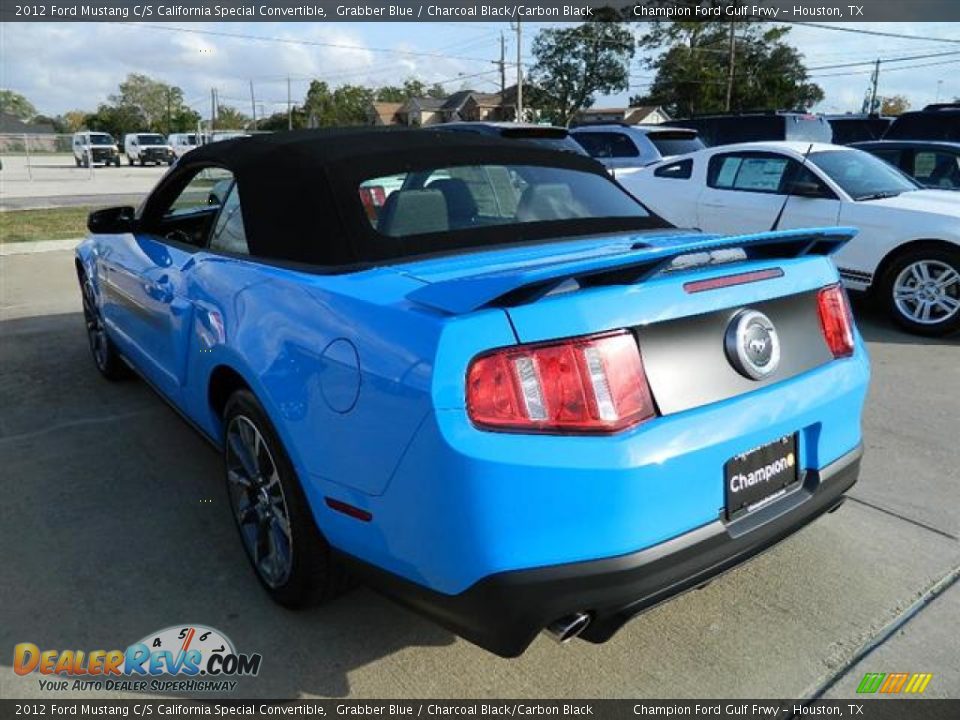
[115, 524]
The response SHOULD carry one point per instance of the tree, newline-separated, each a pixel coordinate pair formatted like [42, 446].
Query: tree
[229, 118]
[54, 122]
[158, 102]
[351, 104]
[185, 119]
[279, 120]
[693, 66]
[894, 105]
[116, 120]
[13, 103]
[411, 88]
[347, 105]
[73, 120]
[577, 63]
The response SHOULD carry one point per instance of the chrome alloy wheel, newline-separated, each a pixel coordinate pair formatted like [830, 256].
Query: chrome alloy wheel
[258, 502]
[927, 292]
[96, 334]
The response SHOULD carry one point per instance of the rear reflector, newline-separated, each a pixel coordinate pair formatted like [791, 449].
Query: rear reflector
[591, 385]
[730, 280]
[836, 320]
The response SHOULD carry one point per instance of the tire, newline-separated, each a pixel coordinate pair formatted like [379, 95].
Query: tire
[266, 499]
[921, 291]
[77, 161]
[104, 353]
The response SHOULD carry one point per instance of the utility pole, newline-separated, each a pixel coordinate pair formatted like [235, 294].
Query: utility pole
[519, 30]
[731, 64]
[213, 108]
[253, 105]
[874, 82]
[289, 107]
[503, 64]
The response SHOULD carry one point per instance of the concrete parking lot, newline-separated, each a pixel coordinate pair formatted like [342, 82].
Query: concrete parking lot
[115, 523]
[55, 181]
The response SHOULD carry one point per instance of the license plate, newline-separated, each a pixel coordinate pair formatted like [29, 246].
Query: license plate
[758, 477]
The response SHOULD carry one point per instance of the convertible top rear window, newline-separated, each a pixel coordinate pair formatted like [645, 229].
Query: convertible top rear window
[477, 196]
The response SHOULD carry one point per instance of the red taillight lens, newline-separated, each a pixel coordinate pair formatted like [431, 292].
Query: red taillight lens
[583, 385]
[836, 320]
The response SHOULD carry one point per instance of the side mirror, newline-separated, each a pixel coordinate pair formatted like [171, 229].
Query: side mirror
[111, 221]
[806, 189]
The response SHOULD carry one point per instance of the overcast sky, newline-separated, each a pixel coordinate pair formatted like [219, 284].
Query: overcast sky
[67, 66]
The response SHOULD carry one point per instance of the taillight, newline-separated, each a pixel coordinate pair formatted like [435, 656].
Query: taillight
[836, 320]
[594, 384]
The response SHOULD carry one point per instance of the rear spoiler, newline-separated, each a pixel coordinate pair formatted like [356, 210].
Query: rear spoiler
[506, 288]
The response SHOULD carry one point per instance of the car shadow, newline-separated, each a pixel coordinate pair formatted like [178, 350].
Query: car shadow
[876, 326]
[117, 526]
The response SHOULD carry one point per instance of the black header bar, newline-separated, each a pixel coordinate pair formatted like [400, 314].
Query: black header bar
[476, 11]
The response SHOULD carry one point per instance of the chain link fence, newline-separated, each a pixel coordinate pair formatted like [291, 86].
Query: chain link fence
[39, 157]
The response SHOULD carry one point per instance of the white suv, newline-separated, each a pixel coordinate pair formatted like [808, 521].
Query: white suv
[95, 147]
[147, 148]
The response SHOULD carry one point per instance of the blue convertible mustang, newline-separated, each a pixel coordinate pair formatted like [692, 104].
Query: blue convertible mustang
[479, 374]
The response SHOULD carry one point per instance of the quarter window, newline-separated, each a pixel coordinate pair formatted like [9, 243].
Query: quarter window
[207, 188]
[678, 171]
[228, 234]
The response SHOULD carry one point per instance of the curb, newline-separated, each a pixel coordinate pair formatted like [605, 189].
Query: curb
[39, 246]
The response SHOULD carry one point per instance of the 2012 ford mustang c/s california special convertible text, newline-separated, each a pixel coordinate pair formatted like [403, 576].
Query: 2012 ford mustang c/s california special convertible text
[480, 375]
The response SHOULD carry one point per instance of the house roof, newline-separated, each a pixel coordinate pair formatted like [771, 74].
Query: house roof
[12, 124]
[632, 115]
[386, 110]
[428, 103]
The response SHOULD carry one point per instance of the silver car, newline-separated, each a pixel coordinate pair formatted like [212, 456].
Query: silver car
[622, 147]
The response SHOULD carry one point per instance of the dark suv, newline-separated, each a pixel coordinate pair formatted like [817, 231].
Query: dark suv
[733, 128]
[934, 122]
[857, 127]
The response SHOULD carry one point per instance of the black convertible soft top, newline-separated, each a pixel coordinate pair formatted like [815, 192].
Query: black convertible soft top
[299, 190]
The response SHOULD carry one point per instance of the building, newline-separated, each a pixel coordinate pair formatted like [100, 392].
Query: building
[461, 106]
[12, 124]
[640, 115]
[384, 113]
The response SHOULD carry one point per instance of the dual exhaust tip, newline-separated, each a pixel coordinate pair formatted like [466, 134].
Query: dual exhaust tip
[568, 627]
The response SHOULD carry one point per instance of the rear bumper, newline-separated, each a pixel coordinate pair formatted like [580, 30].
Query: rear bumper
[504, 612]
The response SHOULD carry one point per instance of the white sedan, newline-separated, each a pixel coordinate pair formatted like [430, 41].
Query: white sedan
[907, 250]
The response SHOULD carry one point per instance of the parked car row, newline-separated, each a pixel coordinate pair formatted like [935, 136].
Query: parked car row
[479, 374]
[907, 248]
[100, 148]
[620, 147]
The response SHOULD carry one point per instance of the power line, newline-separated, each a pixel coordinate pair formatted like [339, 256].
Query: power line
[309, 43]
[885, 60]
[879, 33]
[886, 70]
